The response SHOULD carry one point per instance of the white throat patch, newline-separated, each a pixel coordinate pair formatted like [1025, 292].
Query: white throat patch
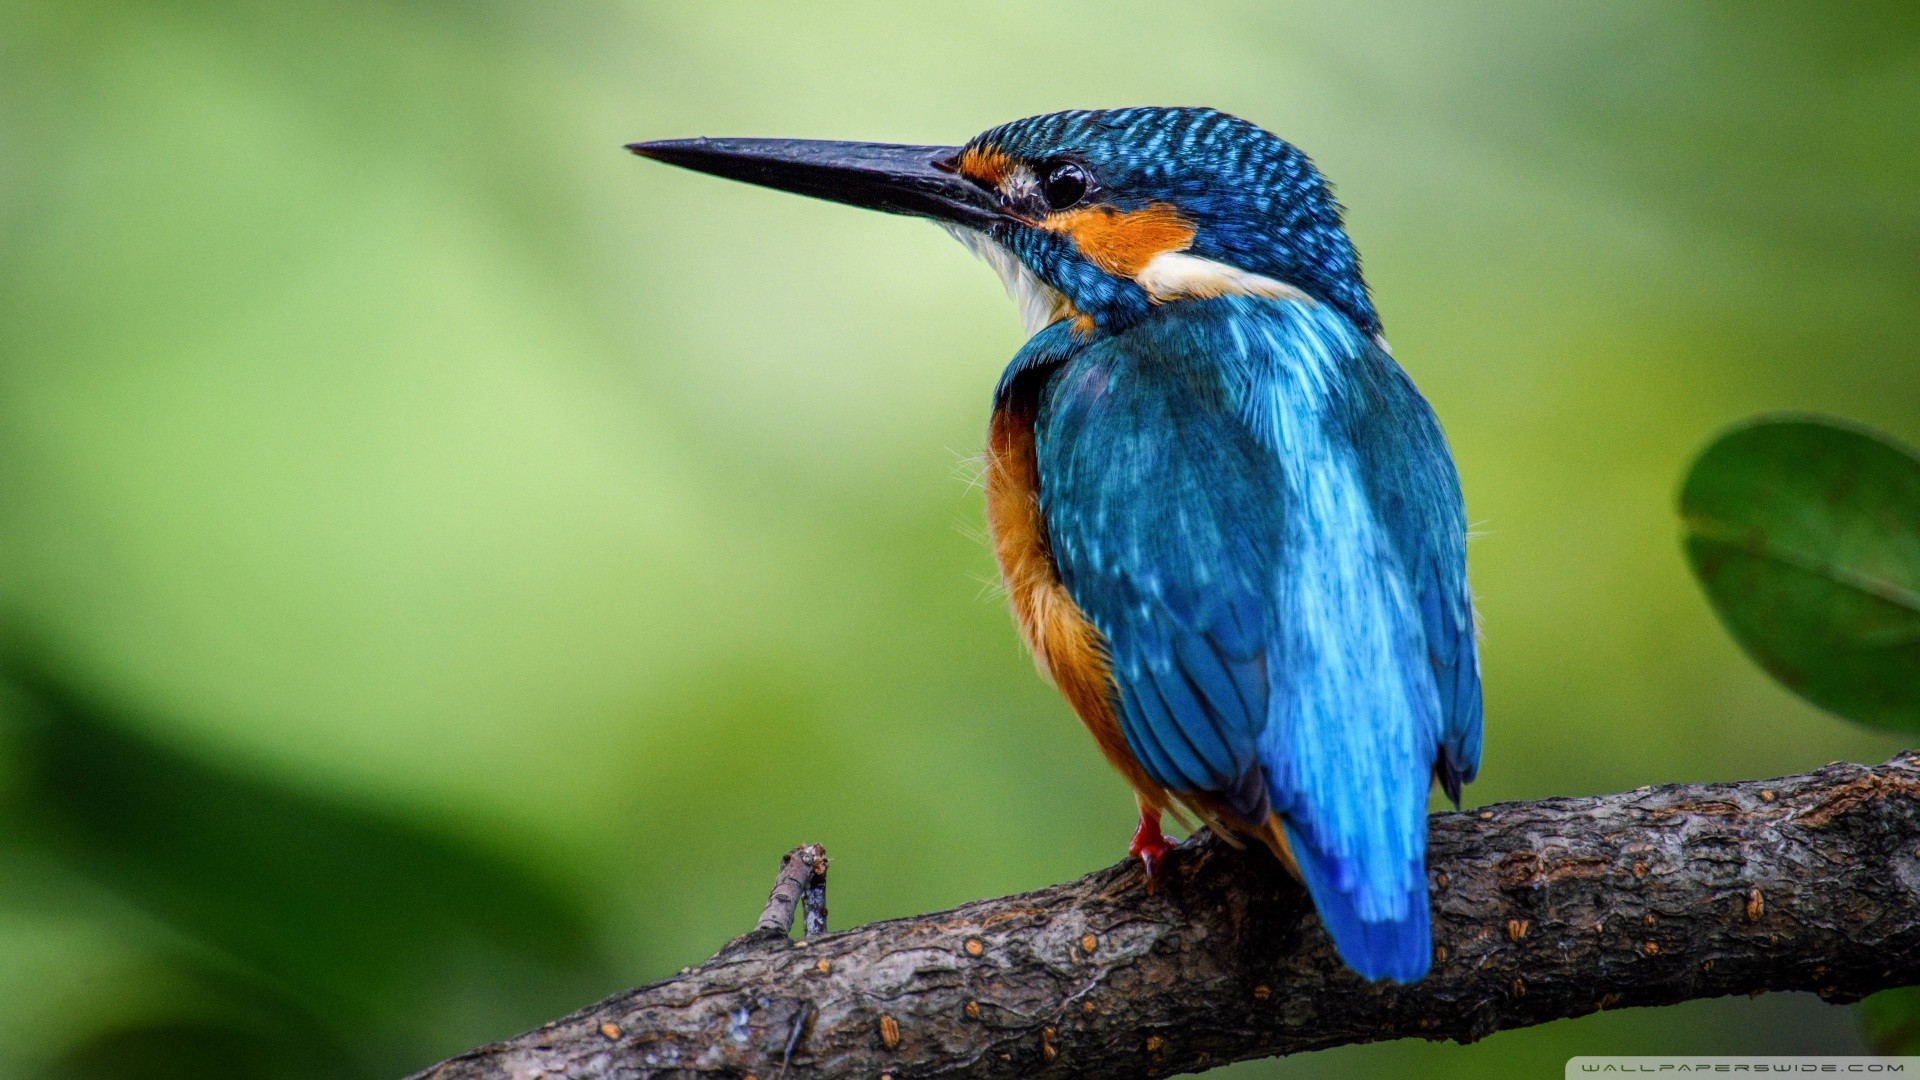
[1041, 305]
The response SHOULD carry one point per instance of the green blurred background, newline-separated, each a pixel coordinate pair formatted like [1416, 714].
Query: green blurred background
[444, 562]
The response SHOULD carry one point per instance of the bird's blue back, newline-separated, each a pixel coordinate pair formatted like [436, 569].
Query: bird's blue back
[1252, 503]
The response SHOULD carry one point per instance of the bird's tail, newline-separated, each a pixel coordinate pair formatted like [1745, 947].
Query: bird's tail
[1394, 948]
[1379, 941]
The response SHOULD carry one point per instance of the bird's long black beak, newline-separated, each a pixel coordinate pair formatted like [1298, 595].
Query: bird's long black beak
[917, 180]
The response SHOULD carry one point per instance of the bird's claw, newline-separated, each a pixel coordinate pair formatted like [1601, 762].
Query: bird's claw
[1150, 846]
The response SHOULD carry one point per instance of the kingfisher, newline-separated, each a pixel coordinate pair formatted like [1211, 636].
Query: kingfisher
[1229, 526]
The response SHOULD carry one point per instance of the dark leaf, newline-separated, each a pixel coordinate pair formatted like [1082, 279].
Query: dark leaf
[1806, 535]
[406, 943]
[190, 1050]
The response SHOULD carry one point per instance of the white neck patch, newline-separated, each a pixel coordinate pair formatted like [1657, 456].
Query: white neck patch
[1175, 275]
[1041, 305]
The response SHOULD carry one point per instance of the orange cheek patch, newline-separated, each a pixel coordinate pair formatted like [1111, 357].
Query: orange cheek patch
[1122, 243]
[984, 165]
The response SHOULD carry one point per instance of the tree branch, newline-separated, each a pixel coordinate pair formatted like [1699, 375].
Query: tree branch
[1542, 911]
[802, 883]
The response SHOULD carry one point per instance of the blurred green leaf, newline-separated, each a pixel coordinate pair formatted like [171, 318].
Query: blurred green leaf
[192, 1050]
[1892, 1021]
[347, 922]
[1806, 534]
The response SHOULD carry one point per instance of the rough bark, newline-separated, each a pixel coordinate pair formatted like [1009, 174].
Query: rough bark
[801, 883]
[1542, 910]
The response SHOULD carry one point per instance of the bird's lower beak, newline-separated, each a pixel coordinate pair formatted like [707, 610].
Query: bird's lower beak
[917, 180]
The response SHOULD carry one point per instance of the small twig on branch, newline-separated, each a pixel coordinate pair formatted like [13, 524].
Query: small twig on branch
[1542, 911]
[802, 883]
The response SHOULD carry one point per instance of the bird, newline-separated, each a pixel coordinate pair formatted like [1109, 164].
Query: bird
[1229, 526]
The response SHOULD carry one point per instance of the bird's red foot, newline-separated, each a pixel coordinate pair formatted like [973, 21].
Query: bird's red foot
[1150, 845]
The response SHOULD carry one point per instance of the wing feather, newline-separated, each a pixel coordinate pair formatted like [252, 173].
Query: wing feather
[1154, 509]
[1412, 482]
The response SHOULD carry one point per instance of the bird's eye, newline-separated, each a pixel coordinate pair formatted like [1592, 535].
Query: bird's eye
[1066, 184]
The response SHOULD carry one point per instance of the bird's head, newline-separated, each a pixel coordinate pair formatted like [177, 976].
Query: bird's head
[1091, 215]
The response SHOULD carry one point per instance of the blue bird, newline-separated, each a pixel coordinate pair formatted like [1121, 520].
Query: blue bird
[1228, 524]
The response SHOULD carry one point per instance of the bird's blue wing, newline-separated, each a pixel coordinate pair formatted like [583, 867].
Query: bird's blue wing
[1415, 492]
[1160, 510]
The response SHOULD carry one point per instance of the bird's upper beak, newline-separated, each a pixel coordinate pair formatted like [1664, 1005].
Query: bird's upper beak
[917, 180]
